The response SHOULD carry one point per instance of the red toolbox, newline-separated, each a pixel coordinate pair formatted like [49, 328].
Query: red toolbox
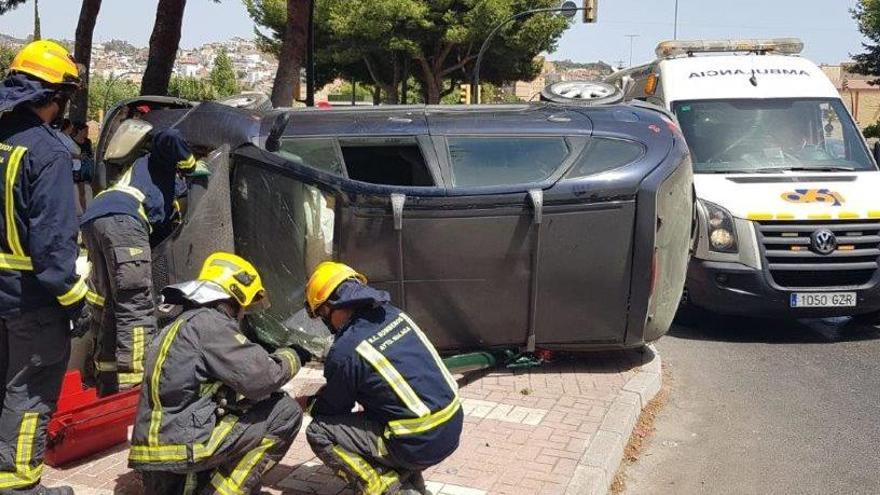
[85, 424]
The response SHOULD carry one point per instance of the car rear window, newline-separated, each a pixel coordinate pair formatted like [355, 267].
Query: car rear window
[492, 161]
[320, 153]
[604, 154]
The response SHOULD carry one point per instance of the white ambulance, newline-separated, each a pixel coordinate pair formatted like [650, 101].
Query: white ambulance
[788, 192]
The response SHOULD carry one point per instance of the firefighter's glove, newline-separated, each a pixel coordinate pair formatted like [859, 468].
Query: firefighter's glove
[303, 355]
[80, 315]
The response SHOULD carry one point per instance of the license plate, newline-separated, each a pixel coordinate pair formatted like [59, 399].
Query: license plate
[823, 299]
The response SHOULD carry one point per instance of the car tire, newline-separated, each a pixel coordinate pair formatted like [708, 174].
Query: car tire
[582, 93]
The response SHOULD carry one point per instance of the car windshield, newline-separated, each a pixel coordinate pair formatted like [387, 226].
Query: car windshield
[772, 135]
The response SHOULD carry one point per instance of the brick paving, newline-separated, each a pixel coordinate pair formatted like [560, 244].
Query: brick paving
[526, 432]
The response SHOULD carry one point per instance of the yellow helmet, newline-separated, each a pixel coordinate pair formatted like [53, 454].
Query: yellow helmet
[324, 280]
[47, 61]
[236, 276]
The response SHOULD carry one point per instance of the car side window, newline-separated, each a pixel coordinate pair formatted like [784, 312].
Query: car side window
[604, 154]
[492, 161]
[320, 153]
[392, 161]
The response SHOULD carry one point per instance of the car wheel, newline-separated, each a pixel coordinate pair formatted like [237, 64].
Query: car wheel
[583, 93]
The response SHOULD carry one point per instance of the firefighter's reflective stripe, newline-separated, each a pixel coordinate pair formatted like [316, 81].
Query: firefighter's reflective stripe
[292, 360]
[130, 378]
[210, 388]
[13, 262]
[187, 163]
[95, 299]
[374, 482]
[12, 240]
[137, 349]
[15, 259]
[75, 294]
[156, 415]
[123, 185]
[180, 452]
[393, 377]
[232, 484]
[453, 385]
[24, 474]
[414, 426]
[105, 366]
[191, 483]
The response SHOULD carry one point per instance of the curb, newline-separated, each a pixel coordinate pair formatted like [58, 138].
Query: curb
[599, 464]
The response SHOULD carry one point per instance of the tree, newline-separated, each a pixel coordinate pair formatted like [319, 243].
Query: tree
[37, 30]
[164, 42]
[85, 29]
[288, 21]
[7, 5]
[192, 88]
[867, 16]
[223, 77]
[436, 40]
[6, 55]
[104, 93]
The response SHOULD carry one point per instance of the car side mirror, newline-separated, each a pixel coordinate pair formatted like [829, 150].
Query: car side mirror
[876, 152]
[127, 141]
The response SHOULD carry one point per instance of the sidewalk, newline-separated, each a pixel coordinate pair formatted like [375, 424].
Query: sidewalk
[557, 429]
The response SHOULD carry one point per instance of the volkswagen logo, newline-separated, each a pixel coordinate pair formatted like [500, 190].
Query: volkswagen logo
[823, 241]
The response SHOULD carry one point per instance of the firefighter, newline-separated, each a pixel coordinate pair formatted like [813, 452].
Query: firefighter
[190, 435]
[119, 230]
[40, 292]
[380, 359]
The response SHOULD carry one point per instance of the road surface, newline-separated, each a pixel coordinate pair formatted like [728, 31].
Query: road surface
[759, 406]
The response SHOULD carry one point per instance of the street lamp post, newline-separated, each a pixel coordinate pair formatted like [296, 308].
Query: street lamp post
[675, 26]
[568, 10]
[631, 38]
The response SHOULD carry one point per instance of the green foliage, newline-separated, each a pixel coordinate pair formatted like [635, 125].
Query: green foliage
[121, 46]
[7, 5]
[373, 40]
[104, 94]
[192, 88]
[872, 131]
[867, 16]
[7, 53]
[223, 77]
[362, 93]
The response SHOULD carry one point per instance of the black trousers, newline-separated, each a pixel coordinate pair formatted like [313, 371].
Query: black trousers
[257, 442]
[34, 349]
[353, 446]
[119, 250]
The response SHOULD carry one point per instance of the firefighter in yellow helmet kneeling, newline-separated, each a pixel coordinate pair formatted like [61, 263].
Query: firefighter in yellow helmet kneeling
[190, 435]
[412, 417]
[40, 292]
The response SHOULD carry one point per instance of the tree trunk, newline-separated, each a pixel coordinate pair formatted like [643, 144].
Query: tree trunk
[82, 52]
[432, 82]
[293, 48]
[164, 43]
[37, 34]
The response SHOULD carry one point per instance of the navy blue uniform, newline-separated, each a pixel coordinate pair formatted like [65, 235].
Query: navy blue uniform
[39, 287]
[412, 416]
[120, 228]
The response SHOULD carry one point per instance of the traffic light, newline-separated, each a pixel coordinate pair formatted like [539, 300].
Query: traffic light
[464, 94]
[590, 10]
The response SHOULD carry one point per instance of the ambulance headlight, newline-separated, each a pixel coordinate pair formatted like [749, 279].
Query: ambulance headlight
[721, 228]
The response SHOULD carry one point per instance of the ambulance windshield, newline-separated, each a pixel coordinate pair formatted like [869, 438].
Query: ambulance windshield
[773, 135]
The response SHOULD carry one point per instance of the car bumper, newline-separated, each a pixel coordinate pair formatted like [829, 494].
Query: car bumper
[735, 289]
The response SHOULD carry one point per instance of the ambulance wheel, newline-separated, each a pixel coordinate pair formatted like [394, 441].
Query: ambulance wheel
[583, 93]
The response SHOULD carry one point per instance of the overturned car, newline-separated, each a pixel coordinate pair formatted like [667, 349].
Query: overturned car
[517, 227]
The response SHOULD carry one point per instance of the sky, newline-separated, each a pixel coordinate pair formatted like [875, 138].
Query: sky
[825, 26]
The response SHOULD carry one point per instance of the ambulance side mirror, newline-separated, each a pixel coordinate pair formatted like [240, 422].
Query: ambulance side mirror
[876, 151]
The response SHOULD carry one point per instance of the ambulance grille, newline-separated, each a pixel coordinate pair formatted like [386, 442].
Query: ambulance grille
[793, 262]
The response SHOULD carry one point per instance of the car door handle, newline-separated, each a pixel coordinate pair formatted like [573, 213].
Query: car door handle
[397, 202]
[537, 197]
